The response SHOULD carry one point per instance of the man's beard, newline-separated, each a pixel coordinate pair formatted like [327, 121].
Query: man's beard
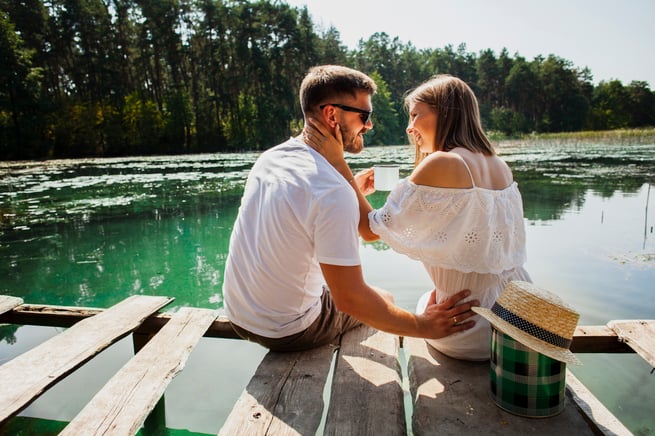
[352, 141]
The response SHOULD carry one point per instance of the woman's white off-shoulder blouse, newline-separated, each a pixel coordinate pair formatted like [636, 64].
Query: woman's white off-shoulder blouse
[471, 238]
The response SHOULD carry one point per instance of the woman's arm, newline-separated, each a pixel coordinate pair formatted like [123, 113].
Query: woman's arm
[363, 185]
[332, 149]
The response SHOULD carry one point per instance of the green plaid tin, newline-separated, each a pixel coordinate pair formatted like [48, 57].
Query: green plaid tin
[523, 381]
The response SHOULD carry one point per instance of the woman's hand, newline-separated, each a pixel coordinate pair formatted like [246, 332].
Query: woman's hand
[331, 148]
[365, 181]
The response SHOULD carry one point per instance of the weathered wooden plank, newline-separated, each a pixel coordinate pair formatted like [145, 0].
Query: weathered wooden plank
[219, 328]
[48, 315]
[586, 339]
[594, 410]
[597, 339]
[7, 303]
[123, 404]
[367, 394]
[452, 397]
[639, 335]
[66, 316]
[284, 396]
[25, 377]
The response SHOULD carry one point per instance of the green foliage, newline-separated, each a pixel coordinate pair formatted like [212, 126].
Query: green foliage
[642, 104]
[386, 127]
[508, 121]
[611, 104]
[98, 78]
[178, 120]
[76, 129]
[143, 122]
[19, 89]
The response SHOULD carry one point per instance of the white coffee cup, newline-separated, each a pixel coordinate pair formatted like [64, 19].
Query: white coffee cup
[386, 177]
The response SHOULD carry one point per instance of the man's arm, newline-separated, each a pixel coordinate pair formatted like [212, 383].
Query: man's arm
[354, 296]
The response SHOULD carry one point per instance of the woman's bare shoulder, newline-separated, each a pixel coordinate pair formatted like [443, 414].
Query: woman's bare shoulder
[442, 169]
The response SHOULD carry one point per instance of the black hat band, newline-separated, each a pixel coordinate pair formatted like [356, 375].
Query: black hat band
[529, 328]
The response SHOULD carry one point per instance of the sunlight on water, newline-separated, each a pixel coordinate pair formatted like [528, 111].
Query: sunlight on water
[92, 232]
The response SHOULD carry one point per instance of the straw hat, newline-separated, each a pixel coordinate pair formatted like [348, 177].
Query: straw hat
[536, 318]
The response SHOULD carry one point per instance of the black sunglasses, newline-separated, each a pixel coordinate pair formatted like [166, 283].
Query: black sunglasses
[365, 116]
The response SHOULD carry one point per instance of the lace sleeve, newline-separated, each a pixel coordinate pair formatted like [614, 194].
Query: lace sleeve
[464, 229]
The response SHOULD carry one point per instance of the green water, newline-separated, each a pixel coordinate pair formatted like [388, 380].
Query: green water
[92, 232]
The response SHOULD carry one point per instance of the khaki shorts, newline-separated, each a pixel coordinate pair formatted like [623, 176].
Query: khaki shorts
[326, 329]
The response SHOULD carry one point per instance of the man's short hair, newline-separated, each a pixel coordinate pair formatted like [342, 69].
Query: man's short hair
[327, 82]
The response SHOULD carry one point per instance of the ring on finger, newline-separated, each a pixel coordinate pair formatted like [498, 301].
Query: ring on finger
[454, 320]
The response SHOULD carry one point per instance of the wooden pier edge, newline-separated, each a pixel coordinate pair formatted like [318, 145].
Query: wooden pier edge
[124, 403]
[596, 414]
[67, 316]
[44, 365]
[366, 364]
[638, 335]
[586, 339]
[8, 303]
[451, 396]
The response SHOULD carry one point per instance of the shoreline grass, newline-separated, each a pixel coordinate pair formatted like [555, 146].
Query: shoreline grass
[639, 136]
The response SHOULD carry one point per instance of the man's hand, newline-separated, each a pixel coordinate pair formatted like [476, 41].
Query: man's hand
[448, 317]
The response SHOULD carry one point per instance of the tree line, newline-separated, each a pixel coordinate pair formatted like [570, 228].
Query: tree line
[133, 77]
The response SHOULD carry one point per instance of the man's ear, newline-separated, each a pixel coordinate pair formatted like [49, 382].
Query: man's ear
[329, 115]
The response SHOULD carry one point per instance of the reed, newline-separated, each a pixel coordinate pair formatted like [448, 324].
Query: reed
[637, 136]
[643, 133]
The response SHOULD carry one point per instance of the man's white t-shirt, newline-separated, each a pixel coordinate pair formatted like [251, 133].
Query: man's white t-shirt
[296, 211]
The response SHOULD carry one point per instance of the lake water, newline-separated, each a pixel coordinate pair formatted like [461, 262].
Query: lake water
[93, 232]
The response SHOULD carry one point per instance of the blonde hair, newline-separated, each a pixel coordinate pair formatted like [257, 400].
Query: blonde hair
[458, 115]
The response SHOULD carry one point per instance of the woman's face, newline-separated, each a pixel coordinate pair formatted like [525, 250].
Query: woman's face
[423, 126]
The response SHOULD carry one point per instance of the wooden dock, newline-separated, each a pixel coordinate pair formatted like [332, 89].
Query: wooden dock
[285, 396]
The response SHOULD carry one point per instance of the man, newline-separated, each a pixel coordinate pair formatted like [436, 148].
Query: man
[293, 276]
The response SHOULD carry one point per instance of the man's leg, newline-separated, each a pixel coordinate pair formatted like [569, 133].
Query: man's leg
[326, 329]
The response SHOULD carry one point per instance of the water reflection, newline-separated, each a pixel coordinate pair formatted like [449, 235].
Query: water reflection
[178, 252]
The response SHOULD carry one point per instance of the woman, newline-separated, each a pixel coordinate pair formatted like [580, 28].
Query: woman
[459, 212]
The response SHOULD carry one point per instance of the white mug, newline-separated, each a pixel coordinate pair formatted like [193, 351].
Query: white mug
[386, 177]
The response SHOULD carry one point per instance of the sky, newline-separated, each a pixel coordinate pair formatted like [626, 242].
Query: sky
[615, 39]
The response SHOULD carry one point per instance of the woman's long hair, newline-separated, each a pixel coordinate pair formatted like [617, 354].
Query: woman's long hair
[458, 115]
